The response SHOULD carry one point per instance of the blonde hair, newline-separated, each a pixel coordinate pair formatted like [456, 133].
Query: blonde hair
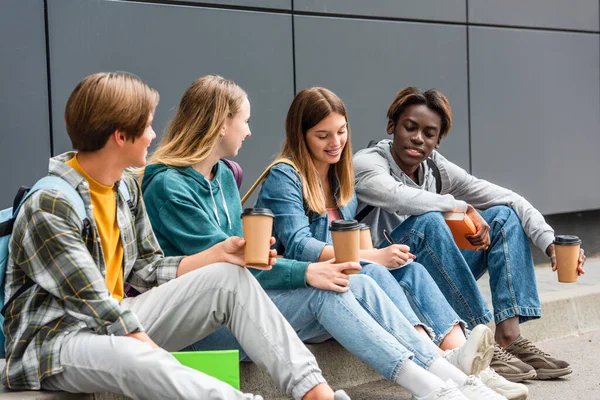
[309, 107]
[104, 103]
[202, 113]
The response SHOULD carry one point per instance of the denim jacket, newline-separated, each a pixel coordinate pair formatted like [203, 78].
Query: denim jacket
[300, 235]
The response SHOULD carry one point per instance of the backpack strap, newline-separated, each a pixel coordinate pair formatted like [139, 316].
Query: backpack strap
[436, 173]
[49, 182]
[238, 172]
[264, 174]
[438, 188]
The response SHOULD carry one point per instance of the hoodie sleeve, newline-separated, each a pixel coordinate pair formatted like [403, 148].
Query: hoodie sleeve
[376, 186]
[482, 195]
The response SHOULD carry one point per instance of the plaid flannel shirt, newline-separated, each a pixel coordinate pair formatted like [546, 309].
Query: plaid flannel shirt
[69, 271]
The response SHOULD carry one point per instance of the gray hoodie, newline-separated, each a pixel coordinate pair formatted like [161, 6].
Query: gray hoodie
[381, 183]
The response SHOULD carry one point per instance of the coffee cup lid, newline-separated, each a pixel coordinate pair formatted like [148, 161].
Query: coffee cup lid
[566, 240]
[257, 211]
[363, 226]
[340, 225]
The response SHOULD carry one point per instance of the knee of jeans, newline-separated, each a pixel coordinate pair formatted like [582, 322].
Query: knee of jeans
[432, 217]
[361, 284]
[503, 214]
[375, 271]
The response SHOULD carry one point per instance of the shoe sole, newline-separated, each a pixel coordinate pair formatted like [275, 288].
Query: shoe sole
[516, 378]
[482, 360]
[543, 374]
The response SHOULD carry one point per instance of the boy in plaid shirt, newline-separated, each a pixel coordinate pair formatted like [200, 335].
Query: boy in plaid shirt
[75, 330]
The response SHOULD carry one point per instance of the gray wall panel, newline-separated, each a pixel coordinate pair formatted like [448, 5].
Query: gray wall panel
[571, 14]
[367, 62]
[275, 4]
[25, 135]
[535, 102]
[436, 10]
[169, 47]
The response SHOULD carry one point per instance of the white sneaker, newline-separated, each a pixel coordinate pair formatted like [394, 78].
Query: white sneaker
[474, 389]
[475, 355]
[510, 390]
[447, 392]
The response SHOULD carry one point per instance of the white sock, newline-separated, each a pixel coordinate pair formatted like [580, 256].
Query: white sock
[417, 380]
[444, 370]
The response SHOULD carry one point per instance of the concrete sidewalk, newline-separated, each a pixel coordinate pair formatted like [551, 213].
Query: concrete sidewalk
[568, 309]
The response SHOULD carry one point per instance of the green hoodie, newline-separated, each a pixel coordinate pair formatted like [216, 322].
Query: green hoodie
[190, 213]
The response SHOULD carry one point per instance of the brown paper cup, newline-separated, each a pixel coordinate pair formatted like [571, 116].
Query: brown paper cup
[346, 242]
[258, 226]
[366, 243]
[566, 248]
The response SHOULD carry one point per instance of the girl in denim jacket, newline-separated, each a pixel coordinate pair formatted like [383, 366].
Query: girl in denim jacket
[320, 189]
[193, 203]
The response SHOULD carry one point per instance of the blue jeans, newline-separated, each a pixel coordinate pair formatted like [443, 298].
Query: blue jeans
[414, 292]
[363, 320]
[508, 260]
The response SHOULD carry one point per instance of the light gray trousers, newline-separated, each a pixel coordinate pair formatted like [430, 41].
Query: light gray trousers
[176, 315]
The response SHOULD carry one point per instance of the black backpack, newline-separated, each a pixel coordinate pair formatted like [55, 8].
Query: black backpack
[434, 170]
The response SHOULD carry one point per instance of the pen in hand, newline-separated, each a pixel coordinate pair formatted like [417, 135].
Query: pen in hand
[388, 237]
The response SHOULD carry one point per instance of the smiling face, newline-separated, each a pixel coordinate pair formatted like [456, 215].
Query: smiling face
[326, 140]
[236, 130]
[416, 135]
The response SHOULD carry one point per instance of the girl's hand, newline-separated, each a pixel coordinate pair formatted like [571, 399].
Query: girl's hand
[328, 275]
[233, 249]
[392, 256]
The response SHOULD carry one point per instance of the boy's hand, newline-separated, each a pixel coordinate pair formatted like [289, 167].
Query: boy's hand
[481, 238]
[551, 253]
[328, 275]
[234, 252]
[143, 337]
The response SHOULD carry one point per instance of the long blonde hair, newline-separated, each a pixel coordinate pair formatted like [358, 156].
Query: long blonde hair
[202, 112]
[309, 107]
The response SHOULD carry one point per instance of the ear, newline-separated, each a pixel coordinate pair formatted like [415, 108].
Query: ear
[437, 145]
[391, 127]
[119, 138]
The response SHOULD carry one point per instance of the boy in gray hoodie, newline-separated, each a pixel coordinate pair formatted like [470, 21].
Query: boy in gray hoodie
[397, 182]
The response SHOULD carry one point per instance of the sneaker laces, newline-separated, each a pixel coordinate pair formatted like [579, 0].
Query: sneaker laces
[527, 345]
[501, 354]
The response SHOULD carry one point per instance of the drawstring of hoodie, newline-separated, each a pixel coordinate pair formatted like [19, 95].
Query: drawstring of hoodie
[224, 203]
[212, 196]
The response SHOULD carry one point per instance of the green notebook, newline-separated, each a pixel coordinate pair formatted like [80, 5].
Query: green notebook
[221, 364]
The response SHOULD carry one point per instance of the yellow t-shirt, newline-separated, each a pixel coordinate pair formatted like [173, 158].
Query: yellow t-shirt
[104, 200]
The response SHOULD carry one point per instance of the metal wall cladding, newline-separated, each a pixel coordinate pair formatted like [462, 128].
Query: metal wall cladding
[367, 62]
[535, 123]
[431, 10]
[170, 47]
[24, 123]
[559, 14]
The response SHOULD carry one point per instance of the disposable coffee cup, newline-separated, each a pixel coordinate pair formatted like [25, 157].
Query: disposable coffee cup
[346, 242]
[258, 227]
[366, 243]
[566, 248]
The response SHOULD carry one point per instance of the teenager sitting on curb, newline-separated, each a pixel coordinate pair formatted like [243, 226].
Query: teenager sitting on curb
[193, 203]
[395, 178]
[74, 331]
